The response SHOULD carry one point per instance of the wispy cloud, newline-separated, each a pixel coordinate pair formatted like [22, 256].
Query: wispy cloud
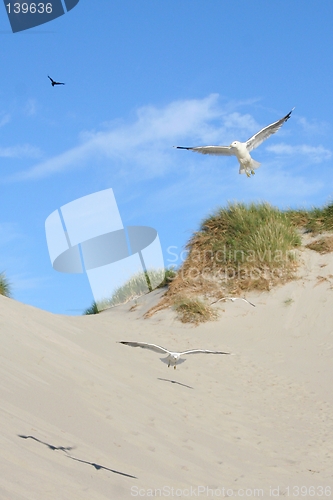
[21, 282]
[147, 141]
[30, 108]
[20, 151]
[143, 149]
[315, 154]
[4, 119]
[314, 126]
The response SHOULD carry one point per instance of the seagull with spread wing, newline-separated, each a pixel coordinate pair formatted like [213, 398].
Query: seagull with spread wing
[53, 83]
[242, 150]
[233, 300]
[172, 357]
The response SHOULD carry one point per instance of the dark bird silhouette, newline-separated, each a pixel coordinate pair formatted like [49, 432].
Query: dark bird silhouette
[53, 83]
[68, 449]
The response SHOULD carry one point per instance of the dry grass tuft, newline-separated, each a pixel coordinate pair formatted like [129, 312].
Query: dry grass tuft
[323, 245]
[193, 310]
[316, 220]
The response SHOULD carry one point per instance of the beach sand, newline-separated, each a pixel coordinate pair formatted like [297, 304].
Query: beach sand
[83, 417]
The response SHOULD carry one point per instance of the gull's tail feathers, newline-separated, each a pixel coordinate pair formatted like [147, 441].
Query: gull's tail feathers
[166, 360]
[254, 165]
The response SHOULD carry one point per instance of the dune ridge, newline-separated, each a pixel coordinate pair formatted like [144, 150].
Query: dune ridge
[83, 417]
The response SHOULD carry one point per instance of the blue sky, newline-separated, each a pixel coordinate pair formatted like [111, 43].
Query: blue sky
[142, 76]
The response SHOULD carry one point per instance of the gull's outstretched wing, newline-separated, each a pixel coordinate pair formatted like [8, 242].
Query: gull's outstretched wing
[144, 345]
[210, 150]
[50, 78]
[233, 300]
[251, 304]
[197, 351]
[266, 132]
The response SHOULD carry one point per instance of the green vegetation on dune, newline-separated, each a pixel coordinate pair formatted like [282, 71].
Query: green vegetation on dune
[238, 248]
[93, 309]
[315, 220]
[137, 285]
[5, 287]
[246, 233]
[193, 310]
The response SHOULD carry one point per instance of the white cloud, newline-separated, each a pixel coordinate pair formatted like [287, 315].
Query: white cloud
[4, 119]
[20, 151]
[30, 108]
[141, 149]
[146, 143]
[316, 154]
[314, 126]
[21, 282]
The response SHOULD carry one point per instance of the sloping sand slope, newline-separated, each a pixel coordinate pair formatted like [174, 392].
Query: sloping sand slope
[83, 417]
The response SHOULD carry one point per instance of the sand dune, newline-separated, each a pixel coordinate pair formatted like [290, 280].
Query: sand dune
[83, 417]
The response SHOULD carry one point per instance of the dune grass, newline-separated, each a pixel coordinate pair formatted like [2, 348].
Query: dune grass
[316, 220]
[240, 247]
[193, 310]
[5, 287]
[93, 309]
[137, 285]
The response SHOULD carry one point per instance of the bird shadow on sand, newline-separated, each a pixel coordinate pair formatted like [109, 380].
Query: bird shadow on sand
[66, 450]
[175, 382]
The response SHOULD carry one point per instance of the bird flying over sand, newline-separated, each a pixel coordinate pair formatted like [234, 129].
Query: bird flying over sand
[53, 83]
[172, 357]
[233, 300]
[242, 150]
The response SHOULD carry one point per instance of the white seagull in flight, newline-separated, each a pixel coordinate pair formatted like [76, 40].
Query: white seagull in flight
[173, 357]
[242, 150]
[233, 300]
